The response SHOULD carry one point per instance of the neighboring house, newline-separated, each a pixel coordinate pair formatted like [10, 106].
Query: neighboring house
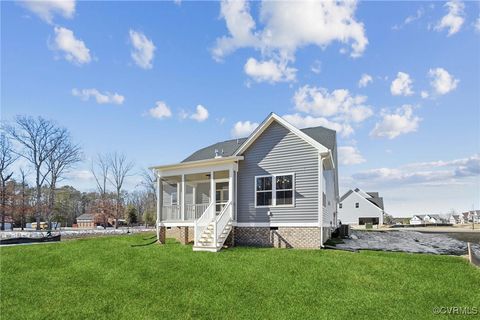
[427, 219]
[86, 221]
[418, 219]
[472, 216]
[400, 221]
[454, 219]
[359, 207]
[278, 187]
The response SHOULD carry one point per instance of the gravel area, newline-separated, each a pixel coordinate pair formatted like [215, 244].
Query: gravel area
[70, 234]
[406, 241]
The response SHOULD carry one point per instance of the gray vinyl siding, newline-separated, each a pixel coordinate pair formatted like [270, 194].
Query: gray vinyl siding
[279, 151]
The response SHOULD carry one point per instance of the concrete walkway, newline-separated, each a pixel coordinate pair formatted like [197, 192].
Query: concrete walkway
[406, 241]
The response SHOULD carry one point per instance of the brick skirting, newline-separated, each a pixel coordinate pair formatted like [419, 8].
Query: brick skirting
[281, 237]
[183, 235]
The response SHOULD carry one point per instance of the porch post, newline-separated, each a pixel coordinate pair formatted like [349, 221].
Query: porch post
[212, 190]
[183, 197]
[230, 190]
[159, 203]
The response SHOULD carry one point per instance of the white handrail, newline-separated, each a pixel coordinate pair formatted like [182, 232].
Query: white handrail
[221, 222]
[202, 223]
[195, 211]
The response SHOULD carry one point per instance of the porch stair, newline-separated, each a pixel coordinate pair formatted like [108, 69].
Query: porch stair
[207, 241]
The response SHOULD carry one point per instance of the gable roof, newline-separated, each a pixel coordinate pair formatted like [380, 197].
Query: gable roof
[275, 118]
[85, 216]
[322, 136]
[372, 197]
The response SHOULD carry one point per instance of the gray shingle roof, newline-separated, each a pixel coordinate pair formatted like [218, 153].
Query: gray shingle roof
[326, 137]
[85, 216]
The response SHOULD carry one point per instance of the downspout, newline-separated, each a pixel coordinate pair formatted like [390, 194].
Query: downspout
[320, 198]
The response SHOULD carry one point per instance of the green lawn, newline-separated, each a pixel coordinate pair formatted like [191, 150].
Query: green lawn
[107, 278]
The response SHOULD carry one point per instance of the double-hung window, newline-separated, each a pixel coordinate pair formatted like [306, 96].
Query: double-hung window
[274, 190]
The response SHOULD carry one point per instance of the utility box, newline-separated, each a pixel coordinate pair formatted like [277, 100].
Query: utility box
[344, 230]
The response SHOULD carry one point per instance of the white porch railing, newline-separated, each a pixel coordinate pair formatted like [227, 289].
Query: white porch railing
[202, 223]
[171, 212]
[221, 222]
[195, 211]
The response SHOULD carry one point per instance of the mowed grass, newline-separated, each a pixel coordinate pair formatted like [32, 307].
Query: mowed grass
[108, 278]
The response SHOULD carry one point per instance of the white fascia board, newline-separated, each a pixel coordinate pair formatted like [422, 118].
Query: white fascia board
[266, 123]
[198, 163]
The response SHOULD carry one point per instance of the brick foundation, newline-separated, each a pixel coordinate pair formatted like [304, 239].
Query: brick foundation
[161, 235]
[282, 237]
[184, 235]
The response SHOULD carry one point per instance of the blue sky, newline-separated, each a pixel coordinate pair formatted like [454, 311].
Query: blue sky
[158, 80]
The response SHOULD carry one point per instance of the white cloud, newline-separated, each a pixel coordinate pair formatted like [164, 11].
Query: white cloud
[101, 98]
[424, 94]
[442, 81]
[316, 67]
[289, 26]
[402, 85]
[320, 102]
[477, 24]
[365, 80]
[47, 9]
[269, 71]
[435, 172]
[74, 49]
[243, 128]
[143, 49]
[400, 122]
[454, 19]
[420, 12]
[160, 111]
[348, 155]
[201, 114]
[300, 121]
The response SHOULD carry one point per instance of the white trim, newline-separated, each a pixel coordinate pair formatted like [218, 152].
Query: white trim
[274, 190]
[275, 224]
[199, 169]
[198, 163]
[269, 120]
[320, 197]
[176, 224]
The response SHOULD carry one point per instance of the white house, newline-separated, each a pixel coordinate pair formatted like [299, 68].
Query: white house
[359, 207]
[426, 219]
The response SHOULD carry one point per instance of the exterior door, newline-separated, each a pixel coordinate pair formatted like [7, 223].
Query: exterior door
[221, 195]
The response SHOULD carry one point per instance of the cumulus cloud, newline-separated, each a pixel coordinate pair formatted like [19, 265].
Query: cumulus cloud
[424, 94]
[288, 26]
[349, 155]
[269, 71]
[454, 19]
[243, 129]
[100, 98]
[400, 122]
[364, 80]
[402, 85]
[201, 114]
[435, 172]
[143, 49]
[160, 111]
[305, 121]
[477, 25]
[47, 9]
[442, 81]
[73, 49]
[319, 102]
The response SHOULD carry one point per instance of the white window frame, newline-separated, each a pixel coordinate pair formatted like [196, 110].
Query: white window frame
[274, 190]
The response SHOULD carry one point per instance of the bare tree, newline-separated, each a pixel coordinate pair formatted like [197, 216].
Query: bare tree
[149, 182]
[7, 158]
[100, 169]
[120, 168]
[39, 138]
[65, 156]
[24, 195]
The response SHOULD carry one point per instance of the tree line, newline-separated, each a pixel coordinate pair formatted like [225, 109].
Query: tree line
[29, 190]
